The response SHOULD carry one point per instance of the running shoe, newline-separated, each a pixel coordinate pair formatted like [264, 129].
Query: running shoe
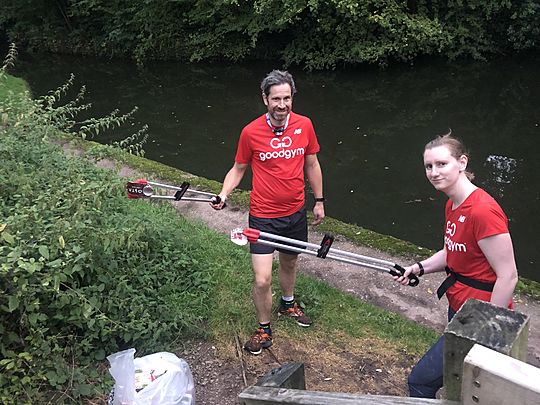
[296, 313]
[258, 341]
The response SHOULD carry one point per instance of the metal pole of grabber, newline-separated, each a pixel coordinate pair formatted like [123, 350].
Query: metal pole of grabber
[153, 183]
[145, 189]
[325, 251]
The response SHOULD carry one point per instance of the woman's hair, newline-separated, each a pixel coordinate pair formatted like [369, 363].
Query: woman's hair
[455, 145]
[277, 77]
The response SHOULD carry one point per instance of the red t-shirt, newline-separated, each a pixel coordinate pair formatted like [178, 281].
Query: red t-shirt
[478, 217]
[277, 163]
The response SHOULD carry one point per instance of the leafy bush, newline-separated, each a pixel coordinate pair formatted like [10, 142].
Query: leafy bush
[84, 272]
[315, 34]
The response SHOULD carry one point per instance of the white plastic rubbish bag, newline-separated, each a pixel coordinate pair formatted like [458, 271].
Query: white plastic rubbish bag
[157, 379]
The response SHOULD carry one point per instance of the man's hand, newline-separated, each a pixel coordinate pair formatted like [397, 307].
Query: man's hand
[318, 213]
[221, 204]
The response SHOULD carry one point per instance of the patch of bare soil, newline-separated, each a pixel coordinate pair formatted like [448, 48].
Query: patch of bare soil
[222, 373]
[368, 368]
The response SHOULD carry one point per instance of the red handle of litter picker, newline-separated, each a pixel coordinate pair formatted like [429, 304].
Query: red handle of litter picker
[252, 234]
[135, 189]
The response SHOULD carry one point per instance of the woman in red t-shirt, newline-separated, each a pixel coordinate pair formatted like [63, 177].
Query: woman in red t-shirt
[477, 255]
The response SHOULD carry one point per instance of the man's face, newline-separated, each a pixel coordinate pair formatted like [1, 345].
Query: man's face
[279, 103]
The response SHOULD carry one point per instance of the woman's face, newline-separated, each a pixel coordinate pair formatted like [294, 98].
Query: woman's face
[443, 169]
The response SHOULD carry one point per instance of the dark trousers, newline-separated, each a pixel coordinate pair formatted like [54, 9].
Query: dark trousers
[426, 377]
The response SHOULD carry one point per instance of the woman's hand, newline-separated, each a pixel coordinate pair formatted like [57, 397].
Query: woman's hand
[404, 279]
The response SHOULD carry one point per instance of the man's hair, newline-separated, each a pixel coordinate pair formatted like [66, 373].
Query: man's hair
[275, 78]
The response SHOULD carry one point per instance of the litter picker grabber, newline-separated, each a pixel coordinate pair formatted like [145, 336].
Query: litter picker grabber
[323, 251]
[145, 189]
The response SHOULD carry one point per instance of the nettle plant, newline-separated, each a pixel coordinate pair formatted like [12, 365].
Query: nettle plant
[49, 111]
[9, 60]
[63, 117]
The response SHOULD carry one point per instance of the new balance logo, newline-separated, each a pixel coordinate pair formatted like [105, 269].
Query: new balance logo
[461, 218]
[298, 131]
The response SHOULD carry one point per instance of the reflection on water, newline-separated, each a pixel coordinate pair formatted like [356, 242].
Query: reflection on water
[372, 125]
[502, 168]
[500, 172]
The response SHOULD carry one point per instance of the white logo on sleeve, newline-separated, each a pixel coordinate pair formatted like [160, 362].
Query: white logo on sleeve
[298, 131]
[462, 218]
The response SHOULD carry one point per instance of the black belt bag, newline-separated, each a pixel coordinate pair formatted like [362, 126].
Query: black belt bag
[471, 282]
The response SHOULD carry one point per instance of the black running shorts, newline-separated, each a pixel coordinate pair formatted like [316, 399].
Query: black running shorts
[293, 226]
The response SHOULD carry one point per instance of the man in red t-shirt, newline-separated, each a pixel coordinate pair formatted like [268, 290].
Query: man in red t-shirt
[280, 146]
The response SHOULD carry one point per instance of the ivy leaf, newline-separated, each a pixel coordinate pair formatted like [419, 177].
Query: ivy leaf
[8, 238]
[55, 263]
[87, 310]
[33, 319]
[44, 251]
[2, 227]
[62, 241]
[13, 303]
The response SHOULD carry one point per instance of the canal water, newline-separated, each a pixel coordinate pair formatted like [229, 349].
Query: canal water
[372, 125]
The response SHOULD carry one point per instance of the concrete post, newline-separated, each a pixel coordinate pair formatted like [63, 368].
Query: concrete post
[499, 329]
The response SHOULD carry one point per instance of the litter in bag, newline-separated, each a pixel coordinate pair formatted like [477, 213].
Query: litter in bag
[156, 379]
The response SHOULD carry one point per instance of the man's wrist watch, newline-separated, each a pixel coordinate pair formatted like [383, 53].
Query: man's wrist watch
[320, 199]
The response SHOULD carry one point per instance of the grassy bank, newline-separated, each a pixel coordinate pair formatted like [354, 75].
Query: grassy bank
[11, 85]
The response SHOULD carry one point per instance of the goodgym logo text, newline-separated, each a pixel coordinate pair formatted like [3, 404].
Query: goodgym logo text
[280, 146]
[450, 244]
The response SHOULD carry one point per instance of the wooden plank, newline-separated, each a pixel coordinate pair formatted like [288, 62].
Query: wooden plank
[290, 375]
[497, 328]
[493, 378]
[278, 396]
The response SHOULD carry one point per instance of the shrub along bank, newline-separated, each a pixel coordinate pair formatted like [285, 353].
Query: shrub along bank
[84, 271]
[315, 34]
